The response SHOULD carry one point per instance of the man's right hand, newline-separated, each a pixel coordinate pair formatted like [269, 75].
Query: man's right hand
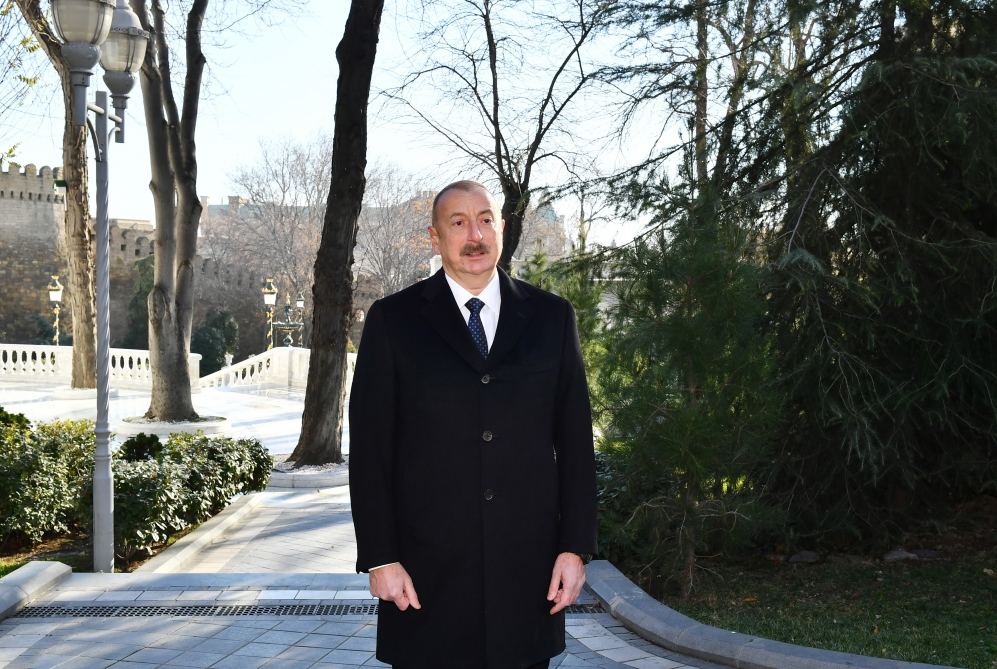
[393, 584]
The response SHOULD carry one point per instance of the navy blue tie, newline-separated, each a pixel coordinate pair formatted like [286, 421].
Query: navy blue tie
[475, 327]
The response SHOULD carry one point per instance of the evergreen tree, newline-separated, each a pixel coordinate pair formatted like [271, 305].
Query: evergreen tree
[885, 319]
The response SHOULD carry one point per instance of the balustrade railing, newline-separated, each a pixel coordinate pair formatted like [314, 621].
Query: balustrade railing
[130, 368]
[284, 367]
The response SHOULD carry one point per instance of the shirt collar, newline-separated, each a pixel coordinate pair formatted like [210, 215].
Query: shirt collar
[491, 294]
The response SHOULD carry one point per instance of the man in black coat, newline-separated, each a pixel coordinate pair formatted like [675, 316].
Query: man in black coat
[472, 473]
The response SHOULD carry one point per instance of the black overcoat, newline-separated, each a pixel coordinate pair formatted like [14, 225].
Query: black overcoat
[473, 473]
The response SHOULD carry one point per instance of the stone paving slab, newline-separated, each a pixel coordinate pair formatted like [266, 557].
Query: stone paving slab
[344, 642]
[320, 522]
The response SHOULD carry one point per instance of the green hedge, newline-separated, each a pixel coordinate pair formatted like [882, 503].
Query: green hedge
[162, 489]
[46, 481]
[42, 473]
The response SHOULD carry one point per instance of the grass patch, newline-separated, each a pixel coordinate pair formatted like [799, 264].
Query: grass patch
[74, 550]
[8, 565]
[940, 612]
[70, 549]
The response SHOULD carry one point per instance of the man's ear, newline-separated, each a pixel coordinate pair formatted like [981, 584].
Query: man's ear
[434, 237]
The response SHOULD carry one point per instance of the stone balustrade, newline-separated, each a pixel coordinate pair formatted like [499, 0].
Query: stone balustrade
[130, 368]
[284, 367]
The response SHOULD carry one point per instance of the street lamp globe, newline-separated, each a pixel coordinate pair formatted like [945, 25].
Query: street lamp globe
[269, 293]
[300, 303]
[122, 55]
[85, 21]
[124, 50]
[82, 26]
[55, 289]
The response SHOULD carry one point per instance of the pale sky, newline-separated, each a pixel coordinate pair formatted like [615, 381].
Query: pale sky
[270, 83]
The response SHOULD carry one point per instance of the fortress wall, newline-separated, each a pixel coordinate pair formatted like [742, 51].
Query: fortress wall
[31, 214]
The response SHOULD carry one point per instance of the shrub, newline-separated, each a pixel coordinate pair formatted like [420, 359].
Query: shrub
[141, 447]
[220, 467]
[150, 500]
[16, 420]
[162, 489]
[46, 481]
[72, 443]
[35, 495]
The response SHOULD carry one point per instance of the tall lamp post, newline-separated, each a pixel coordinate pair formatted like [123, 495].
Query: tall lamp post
[269, 300]
[300, 304]
[55, 297]
[92, 31]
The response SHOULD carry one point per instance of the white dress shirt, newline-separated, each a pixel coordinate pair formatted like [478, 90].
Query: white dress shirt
[491, 295]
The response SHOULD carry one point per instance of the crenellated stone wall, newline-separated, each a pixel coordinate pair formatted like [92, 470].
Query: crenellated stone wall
[32, 209]
[31, 214]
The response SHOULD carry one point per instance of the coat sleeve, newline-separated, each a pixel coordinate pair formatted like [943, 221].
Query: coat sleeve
[372, 419]
[574, 447]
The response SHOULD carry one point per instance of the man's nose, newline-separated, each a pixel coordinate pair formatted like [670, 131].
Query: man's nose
[475, 232]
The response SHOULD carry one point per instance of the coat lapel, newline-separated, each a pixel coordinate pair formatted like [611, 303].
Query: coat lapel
[441, 310]
[516, 312]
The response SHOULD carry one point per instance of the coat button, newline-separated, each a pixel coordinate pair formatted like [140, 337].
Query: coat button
[487, 435]
[486, 378]
[489, 495]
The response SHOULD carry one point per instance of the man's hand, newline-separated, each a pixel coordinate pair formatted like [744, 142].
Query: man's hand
[393, 584]
[566, 582]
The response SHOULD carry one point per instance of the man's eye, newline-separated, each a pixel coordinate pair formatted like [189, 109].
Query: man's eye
[486, 221]
[457, 223]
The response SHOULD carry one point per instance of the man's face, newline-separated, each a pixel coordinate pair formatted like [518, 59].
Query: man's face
[467, 233]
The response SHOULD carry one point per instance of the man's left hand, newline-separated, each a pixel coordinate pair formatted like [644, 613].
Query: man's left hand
[566, 582]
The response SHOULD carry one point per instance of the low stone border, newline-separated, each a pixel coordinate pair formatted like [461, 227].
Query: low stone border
[173, 558]
[644, 615]
[306, 480]
[27, 583]
[211, 426]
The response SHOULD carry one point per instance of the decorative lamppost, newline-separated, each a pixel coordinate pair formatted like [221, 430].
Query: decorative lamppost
[92, 31]
[55, 297]
[269, 300]
[288, 326]
[300, 304]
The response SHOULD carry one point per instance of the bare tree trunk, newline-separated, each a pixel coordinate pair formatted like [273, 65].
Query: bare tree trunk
[79, 246]
[516, 201]
[178, 210]
[78, 234]
[332, 294]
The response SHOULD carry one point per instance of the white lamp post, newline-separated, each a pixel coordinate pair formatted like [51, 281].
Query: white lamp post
[55, 297]
[83, 26]
[269, 300]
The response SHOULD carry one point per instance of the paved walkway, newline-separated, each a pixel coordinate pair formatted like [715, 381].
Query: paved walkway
[276, 589]
[298, 532]
[272, 416]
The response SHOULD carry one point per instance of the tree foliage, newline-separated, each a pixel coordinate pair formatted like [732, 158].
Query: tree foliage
[886, 310]
[806, 327]
[218, 335]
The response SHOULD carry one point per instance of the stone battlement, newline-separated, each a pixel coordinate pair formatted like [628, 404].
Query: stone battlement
[30, 184]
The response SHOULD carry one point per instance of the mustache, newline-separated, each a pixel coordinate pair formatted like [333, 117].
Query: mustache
[474, 248]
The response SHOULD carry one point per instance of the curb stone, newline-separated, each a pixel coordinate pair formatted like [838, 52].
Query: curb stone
[173, 558]
[317, 480]
[649, 618]
[27, 583]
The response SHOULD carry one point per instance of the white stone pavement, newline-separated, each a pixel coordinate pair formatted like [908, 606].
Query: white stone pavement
[295, 547]
[271, 415]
